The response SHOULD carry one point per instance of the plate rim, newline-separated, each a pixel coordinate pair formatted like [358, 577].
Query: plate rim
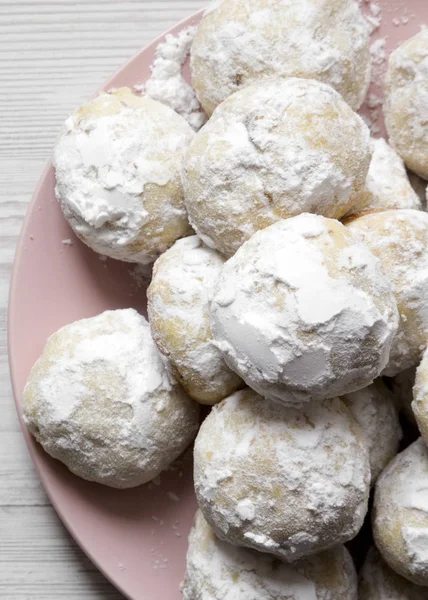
[11, 316]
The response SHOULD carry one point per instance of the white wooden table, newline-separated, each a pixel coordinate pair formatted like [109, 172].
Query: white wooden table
[53, 56]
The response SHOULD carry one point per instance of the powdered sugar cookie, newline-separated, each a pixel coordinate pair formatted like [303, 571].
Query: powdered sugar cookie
[239, 42]
[374, 410]
[179, 299]
[100, 400]
[400, 513]
[420, 397]
[379, 582]
[117, 165]
[271, 151]
[283, 481]
[387, 185]
[399, 238]
[218, 570]
[406, 101]
[303, 311]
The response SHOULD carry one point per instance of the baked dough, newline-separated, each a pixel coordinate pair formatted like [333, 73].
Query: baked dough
[117, 164]
[100, 400]
[288, 482]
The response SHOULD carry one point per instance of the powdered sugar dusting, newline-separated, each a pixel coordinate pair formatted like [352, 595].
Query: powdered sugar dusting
[167, 84]
[97, 400]
[181, 293]
[387, 184]
[255, 499]
[258, 160]
[399, 238]
[114, 154]
[401, 504]
[224, 572]
[406, 112]
[374, 410]
[282, 290]
[258, 39]
[377, 577]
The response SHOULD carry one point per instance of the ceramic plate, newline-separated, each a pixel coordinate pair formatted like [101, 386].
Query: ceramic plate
[137, 538]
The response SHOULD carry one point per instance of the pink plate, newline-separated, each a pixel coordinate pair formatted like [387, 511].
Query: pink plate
[137, 538]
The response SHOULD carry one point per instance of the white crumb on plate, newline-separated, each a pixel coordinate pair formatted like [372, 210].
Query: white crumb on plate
[167, 84]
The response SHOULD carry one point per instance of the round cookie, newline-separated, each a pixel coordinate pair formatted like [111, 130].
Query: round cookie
[100, 400]
[117, 164]
[179, 300]
[374, 410]
[406, 99]
[239, 42]
[387, 184]
[420, 397]
[400, 513]
[399, 238]
[220, 571]
[271, 151]
[379, 582]
[288, 482]
[303, 311]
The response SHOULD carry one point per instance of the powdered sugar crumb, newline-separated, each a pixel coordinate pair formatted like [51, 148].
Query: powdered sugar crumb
[167, 84]
[378, 54]
[67, 242]
[374, 17]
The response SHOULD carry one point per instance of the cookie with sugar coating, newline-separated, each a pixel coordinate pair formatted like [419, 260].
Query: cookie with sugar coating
[375, 411]
[420, 397]
[399, 238]
[239, 42]
[387, 184]
[406, 98]
[303, 311]
[117, 165]
[100, 400]
[379, 582]
[179, 300]
[219, 570]
[400, 513]
[271, 151]
[283, 481]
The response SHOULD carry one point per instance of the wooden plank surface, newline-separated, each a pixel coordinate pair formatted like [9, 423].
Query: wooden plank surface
[53, 56]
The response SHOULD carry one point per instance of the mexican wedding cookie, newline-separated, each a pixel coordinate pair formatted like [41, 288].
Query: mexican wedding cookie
[374, 410]
[271, 151]
[100, 400]
[303, 311]
[420, 397]
[399, 238]
[379, 582]
[117, 165]
[279, 480]
[387, 185]
[406, 100]
[400, 513]
[217, 570]
[239, 42]
[179, 299]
